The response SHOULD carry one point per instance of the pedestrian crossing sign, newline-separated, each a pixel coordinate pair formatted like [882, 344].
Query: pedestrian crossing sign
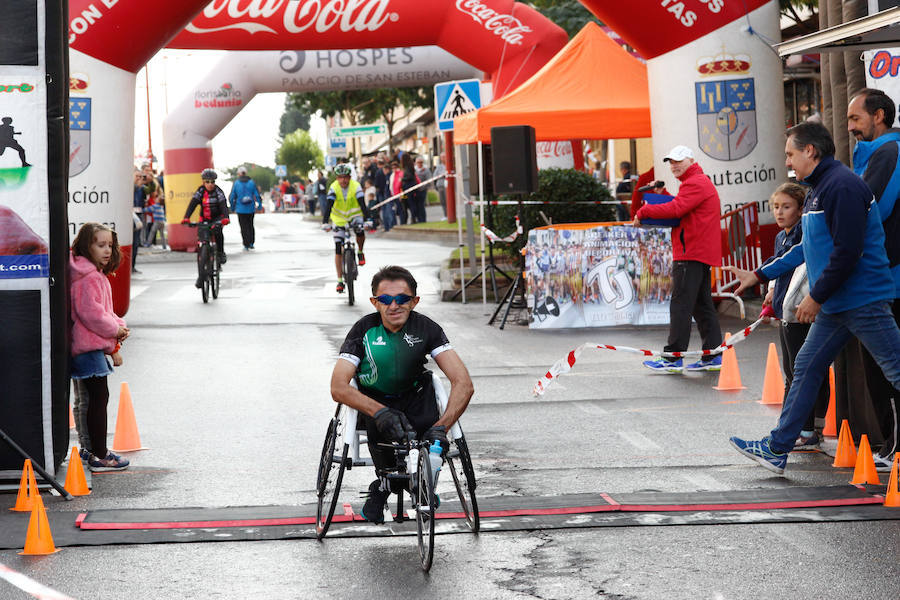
[455, 98]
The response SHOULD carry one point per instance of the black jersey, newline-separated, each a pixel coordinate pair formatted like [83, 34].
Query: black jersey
[391, 363]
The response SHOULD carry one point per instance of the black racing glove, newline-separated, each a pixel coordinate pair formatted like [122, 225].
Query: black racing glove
[392, 424]
[438, 433]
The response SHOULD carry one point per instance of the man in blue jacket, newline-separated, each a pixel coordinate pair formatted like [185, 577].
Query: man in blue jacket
[245, 200]
[849, 278]
[876, 158]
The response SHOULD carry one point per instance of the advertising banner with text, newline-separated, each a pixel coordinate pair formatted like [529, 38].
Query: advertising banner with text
[598, 276]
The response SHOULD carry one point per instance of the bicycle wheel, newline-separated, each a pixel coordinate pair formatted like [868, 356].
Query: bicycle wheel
[203, 262]
[424, 506]
[460, 463]
[349, 272]
[330, 475]
[214, 276]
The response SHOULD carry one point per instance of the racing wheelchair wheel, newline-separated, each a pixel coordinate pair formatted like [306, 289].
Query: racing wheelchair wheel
[330, 474]
[460, 463]
[424, 507]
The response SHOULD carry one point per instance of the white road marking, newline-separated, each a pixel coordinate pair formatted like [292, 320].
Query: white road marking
[704, 482]
[639, 440]
[267, 291]
[590, 408]
[137, 290]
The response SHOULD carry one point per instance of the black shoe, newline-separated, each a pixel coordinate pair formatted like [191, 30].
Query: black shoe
[135, 271]
[373, 509]
[199, 283]
[222, 258]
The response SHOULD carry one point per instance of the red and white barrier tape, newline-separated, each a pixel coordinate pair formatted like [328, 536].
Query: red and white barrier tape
[494, 238]
[29, 585]
[564, 365]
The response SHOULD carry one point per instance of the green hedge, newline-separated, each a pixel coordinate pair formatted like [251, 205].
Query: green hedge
[559, 187]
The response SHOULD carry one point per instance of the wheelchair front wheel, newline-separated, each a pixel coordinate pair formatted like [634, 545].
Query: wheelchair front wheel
[424, 507]
[329, 477]
[460, 463]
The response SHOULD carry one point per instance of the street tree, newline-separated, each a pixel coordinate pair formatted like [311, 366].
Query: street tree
[292, 119]
[264, 177]
[365, 106]
[571, 15]
[300, 153]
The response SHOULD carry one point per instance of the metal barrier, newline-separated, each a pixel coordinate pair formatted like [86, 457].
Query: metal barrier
[740, 240]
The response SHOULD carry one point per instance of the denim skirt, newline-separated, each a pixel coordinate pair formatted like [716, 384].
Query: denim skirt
[90, 364]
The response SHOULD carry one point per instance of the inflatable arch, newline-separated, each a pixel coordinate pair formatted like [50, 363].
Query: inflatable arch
[710, 59]
[110, 40]
[239, 76]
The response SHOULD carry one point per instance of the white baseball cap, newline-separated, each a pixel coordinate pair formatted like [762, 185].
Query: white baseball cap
[678, 153]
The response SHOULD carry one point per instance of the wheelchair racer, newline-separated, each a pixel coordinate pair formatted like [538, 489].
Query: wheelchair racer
[386, 352]
[213, 210]
[348, 207]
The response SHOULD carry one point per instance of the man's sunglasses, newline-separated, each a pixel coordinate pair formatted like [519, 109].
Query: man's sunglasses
[209, 181]
[401, 299]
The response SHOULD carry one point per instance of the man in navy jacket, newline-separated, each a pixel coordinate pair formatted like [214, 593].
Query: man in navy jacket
[876, 158]
[849, 278]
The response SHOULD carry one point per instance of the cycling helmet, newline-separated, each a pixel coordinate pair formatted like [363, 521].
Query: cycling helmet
[342, 169]
[208, 174]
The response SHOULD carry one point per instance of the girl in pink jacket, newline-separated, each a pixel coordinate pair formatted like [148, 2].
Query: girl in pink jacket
[96, 333]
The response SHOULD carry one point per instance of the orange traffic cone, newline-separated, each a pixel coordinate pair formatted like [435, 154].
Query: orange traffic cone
[865, 465]
[27, 489]
[846, 450]
[76, 484]
[730, 375]
[773, 384]
[892, 496]
[71, 418]
[830, 420]
[38, 540]
[126, 438]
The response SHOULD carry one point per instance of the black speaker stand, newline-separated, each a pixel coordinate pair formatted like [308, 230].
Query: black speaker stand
[518, 285]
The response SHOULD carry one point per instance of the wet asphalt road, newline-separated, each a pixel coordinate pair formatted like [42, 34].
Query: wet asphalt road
[232, 401]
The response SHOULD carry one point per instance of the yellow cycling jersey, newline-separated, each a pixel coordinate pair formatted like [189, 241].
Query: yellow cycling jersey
[346, 208]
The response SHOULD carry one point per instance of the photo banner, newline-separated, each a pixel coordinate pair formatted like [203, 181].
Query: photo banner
[32, 285]
[598, 276]
[24, 213]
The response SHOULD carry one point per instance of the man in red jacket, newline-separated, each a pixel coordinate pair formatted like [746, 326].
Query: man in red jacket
[696, 246]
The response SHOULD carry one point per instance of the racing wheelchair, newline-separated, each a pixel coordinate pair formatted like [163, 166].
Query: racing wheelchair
[340, 452]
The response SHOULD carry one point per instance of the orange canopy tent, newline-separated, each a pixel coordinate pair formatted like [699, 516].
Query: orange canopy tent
[592, 89]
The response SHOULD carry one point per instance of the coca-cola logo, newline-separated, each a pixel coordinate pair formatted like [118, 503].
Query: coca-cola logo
[297, 17]
[507, 27]
[554, 149]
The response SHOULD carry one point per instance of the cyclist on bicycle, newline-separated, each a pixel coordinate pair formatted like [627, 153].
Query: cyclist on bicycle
[386, 352]
[213, 210]
[348, 207]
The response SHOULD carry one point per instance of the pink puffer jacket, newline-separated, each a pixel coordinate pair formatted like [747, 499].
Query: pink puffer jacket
[94, 323]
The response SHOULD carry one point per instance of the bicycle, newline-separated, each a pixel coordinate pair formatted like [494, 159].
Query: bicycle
[340, 452]
[208, 266]
[348, 259]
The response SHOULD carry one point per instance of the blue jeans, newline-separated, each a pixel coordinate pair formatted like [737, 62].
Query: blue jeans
[875, 327]
[387, 213]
